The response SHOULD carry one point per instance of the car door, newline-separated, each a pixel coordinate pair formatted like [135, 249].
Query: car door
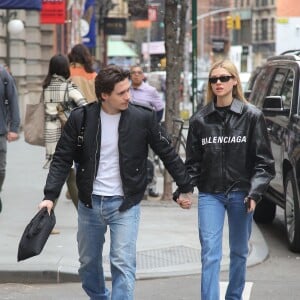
[278, 126]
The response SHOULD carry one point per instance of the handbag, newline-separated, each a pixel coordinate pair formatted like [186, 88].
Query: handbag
[36, 234]
[64, 109]
[34, 123]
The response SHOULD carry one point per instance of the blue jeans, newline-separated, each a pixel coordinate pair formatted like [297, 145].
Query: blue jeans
[211, 215]
[92, 226]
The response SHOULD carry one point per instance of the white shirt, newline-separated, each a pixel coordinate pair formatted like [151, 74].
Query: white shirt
[108, 180]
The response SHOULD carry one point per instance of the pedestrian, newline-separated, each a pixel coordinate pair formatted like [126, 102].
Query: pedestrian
[230, 160]
[58, 88]
[111, 179]
[82, 71]
[9, 119]
[145, 94]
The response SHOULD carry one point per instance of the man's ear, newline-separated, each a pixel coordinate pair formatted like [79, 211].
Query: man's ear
[104, 96]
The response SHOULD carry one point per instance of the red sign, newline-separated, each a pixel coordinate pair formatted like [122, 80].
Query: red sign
[152, 13]
[53, 12]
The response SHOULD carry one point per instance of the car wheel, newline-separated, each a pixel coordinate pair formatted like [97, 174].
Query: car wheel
[265, 211]
[291, 213]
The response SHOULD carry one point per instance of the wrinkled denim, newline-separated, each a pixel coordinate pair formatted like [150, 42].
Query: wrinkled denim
[211, 216]
[92, 226]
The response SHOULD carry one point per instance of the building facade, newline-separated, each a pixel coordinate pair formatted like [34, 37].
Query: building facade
[287, 26]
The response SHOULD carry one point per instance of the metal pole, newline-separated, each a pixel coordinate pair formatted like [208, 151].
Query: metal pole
[148, 48]
[7, 39]
[194, 53]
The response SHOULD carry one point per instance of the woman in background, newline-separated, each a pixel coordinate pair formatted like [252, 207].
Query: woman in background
[58, 88]
[82, 72]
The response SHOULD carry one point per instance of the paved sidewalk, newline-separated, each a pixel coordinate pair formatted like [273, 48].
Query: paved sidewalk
[168, 242]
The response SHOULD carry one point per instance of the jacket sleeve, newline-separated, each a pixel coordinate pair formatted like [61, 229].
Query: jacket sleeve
[162, 146]
[156, 100]
[76, 95]
[264, 169]
[13, 103]
[193, 153]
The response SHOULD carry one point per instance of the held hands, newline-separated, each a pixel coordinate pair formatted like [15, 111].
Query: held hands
[46, 203]
[250, 204]
[185, 200]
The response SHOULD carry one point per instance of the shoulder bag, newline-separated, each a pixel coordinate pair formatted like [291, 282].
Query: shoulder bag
[34, 123]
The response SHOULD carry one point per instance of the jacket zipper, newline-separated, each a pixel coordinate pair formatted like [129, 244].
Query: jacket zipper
[98, 137]
[223, 154]
[120, 167]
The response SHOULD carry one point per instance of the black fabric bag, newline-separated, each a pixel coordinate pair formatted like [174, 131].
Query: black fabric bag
[36, 234]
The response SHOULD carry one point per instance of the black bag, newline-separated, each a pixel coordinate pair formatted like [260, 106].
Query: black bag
[36, 234]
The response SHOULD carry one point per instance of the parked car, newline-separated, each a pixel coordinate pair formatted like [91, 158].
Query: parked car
[249, 86]
[276, 92]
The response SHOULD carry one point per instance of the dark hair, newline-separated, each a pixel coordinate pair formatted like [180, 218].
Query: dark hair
[81, 54]
[107, 78]
[58, 65]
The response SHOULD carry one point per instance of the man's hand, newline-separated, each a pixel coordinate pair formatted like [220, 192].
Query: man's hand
[12, 136]
[185, 200]
[46, 203]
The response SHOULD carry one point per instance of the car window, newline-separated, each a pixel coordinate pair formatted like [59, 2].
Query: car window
[287, 91]
[277, 82]
[261, 85]
[282, 85]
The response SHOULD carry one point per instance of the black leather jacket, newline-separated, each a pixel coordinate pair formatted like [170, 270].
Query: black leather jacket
[230, 152]
[137, 129]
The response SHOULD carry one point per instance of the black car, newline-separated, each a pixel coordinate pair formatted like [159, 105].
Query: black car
[275, 91]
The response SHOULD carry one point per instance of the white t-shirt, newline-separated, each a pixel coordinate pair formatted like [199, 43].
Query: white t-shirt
[108, 181]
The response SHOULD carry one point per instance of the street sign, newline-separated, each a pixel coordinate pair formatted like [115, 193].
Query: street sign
[152, 13]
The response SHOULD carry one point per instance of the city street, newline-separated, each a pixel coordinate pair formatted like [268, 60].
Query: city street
[276, 278]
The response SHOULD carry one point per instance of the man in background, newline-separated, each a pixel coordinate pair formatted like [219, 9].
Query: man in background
[145, 94]
[9, 118]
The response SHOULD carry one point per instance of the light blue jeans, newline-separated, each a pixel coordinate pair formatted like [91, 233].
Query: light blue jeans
[92, 226]
[211, 215]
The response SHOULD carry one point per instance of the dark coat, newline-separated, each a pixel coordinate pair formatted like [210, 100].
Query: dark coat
[138, 128]
[230, 152]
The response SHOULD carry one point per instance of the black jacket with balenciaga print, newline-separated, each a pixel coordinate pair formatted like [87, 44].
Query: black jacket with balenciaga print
[138, 128]
[230, 152]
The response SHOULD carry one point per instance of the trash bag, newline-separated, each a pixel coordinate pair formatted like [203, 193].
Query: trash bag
[36, 234]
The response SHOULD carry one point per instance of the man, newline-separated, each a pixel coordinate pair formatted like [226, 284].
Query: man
[111, 179]
[9, 118]
[145, 94]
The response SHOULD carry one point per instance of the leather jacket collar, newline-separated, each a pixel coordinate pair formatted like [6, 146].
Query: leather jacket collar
[236, 106]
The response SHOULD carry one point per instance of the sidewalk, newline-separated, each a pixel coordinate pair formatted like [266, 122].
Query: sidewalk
[168, 242]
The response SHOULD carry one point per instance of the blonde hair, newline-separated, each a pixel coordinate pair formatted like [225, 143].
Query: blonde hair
[237, 91]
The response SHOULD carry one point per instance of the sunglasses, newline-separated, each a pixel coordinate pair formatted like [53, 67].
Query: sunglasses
[136, 73]
[221, 78]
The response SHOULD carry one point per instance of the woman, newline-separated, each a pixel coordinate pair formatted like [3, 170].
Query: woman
[230, 160]
[56, 89]
[82, 72]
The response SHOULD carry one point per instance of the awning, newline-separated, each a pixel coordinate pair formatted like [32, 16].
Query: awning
[119, 49]
[24, 4]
